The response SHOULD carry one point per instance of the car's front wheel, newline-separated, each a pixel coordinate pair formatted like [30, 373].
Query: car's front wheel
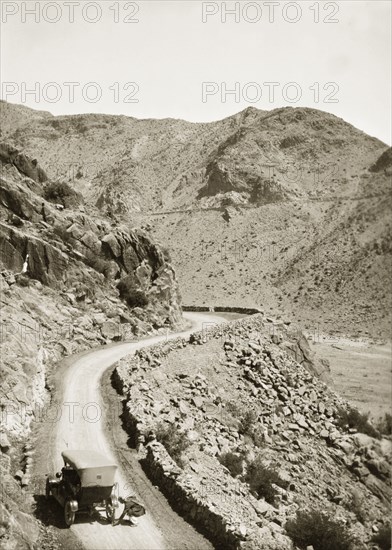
[110, 510]
[69, 515]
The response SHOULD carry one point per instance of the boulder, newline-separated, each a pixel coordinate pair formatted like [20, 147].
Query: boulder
[130, 259]
[5, 444]
[198, 401]
[111, 244]
[91, 241]
[183, 406]
[46, 263]
[98, 318]
[362, 440]
[379, 468]
[110, 330]
[263, 508]
[76, 231]
[143, 275]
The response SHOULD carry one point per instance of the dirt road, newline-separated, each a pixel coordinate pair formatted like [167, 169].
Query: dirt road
[81, 426]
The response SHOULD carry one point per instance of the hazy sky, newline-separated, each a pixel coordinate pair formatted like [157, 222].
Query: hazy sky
[161, 52]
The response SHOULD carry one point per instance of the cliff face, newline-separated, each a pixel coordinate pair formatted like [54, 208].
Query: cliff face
[70, 280]
[58, 241]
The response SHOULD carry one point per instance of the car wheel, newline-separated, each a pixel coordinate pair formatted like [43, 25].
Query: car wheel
[110, 510]
[69, 515]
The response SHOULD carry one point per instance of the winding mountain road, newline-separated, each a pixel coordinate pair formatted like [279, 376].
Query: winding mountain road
[81, 426]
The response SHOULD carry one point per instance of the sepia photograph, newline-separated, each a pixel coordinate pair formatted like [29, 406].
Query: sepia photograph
[195, 275]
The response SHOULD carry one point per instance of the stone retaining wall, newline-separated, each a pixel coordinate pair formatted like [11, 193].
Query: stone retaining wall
[164, 472]
[228, 309]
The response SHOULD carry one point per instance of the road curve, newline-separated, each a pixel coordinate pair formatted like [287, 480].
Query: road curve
[82, 428]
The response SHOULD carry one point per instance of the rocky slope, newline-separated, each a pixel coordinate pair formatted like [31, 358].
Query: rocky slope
[208, 423]
[286, 209]
[70, 280]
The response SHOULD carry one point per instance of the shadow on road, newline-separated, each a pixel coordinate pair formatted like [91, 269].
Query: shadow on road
[50, 513]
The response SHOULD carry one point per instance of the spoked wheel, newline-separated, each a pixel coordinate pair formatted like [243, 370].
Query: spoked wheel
[110, 510]
[69, 515]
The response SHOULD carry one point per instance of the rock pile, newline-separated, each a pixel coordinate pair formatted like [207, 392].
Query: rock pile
[242, 392]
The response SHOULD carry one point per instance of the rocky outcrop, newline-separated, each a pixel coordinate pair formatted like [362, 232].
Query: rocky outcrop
[65, 240]
[25, 164]
[383, 163]
[46, 263]
[219, 180]
[15, 199]
[144, 268]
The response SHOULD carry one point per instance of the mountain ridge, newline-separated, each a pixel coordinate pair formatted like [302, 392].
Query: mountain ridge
[291, 176]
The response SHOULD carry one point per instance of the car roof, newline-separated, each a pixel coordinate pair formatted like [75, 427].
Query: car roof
[81, 460]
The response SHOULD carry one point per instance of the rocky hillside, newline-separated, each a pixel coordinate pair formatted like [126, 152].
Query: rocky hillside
[70, 280]
[287, 210]
[259, 156]
[251, 446]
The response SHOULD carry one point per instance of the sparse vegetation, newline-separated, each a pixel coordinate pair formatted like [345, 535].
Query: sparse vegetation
[291, 141]
[233, 462]
[317, 529]
[353, 418]
[23, 280]
[81, 127]
[133, 296]
[261, 479]
[174, 441]
[249, 427]
[62, 193]
[55, 124]
[384, 425]
[97, 263]
[247, 423]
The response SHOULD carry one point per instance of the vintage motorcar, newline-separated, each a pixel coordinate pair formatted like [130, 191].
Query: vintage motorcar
[86, 481]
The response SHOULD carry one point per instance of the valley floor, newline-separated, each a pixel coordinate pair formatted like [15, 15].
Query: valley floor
[361, 372]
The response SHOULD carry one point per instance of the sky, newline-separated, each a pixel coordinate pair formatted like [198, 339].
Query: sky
[200, 61]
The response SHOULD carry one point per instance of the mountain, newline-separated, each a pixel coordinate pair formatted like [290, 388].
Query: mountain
[287, 210]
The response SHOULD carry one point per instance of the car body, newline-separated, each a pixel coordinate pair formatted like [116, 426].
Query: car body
[86, 480]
